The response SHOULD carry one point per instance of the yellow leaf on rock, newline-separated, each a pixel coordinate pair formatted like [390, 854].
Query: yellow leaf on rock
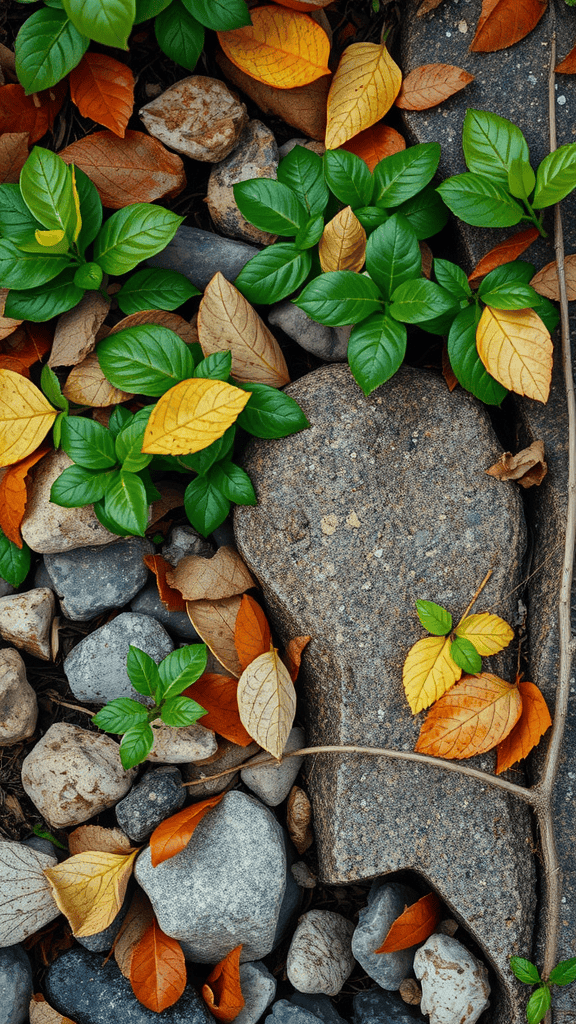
[429, 671]
[89, 888]
[87, 385]
[25, 417]
[516, 348]
[343, 243]
[363, 89]
[267, 702]
[487, 633]
[191, 415]
[281, 47]
[477, 714]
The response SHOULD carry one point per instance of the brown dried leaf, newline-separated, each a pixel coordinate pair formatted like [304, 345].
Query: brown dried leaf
[375, 143]
[95, 837]
[473, 717]
[171, 599]
[75, 334]
[431, 84]
[162, 318]
[89, 888]
[41, 1012]
[299, 819]
[172, 497]
[505, 22]
[293, 655]
[507, 251]
[427, 259]
[546, 280]
[447, 371]
[137, 921]
[13, 155]
[534, 721]
[199, 579]
[343, 243]
[215, 622]
[267, 702]
[87, 385]
[7, 324]
[426, 6]
[528, 467]
[568, 65]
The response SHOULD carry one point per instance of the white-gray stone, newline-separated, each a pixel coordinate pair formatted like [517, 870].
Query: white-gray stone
[184, 541]
[386, 901]
[96, 668]
[148, 602]
[273, 783]
[18, 704]
[92, 580]
[15, 985]
[26, 620]
[182, 744]
[303, 876]
[328, 343]
[320, 956]
[258, 988]
[255, 156]
[284, 1012]
[197, 116]
[455, 987]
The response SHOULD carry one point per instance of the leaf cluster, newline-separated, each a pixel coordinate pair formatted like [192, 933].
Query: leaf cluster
[563, 974]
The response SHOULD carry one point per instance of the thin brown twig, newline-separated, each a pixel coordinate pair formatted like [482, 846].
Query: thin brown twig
[476, 595]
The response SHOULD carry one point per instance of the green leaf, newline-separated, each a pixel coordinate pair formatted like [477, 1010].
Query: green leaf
[90, 210]
[136, 744]
[270, 206]
[46, 187]
[521, 178]
[480, 201]
[179, 35]
[46, 301]
[119, 715]
[106, 520]
[376, 349]
[452, 278]
[16, 222]
[547, 312]
[538, 1004]
[146, 9]
[88, 443]
[340, 297]
[507, 287]
[155, 289]
[119, 418]
[128, 445]
[180, 669]
[491, 143]
[564, 973]
[371, 217]
[134, 234]
[274, 273]
[434, 617]
[303, 172]
[393, 254]
[206, 507]
[234, 483]
[465, 361]
[426, 213]
[142, 671]
[556, 176]
[146, 359]
[152, 492]
[400, 176]
[24, 270]
[310, 233]
[348, 177]
[463, 652]
[416, 302]
[221, 15]
[270, 413]
[14, 561]
[181, 711]
[77, 486]
[57, 428]
[200, 462]
[216, 366]
[47, 47]
[109, 22]
[126, 503]
[51, 387]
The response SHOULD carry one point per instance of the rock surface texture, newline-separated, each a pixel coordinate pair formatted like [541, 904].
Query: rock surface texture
[386, 901]
[455, 986]
[197, 116]
[354, 491]
[18, 704]
[93, 580]
[256, 156]
[200, 254]
[320, 956]
[25, 621]
[15, 985]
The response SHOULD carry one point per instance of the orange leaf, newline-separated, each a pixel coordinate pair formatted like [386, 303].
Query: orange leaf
[528, 731]
[218, 695]
[374, 143]
[281, 47]
[506, 252]
[14, 495]
[222, 992]
[252, 636]
[447, 371]
[414, 926]
[14, 364]
[474, 716]
[293, 655]
[568, 65]
[33, 114]
[504, 22]
[171, 599]
[135, 169]
[431, 84]
[13, 155]
[103, 89]
[176, 832]
[157, 970]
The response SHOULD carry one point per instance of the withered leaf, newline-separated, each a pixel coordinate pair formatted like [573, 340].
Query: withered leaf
[87, 385]
[198, 579]
[218, 695]
[171, 599]
[252, 635]
[299, 819]
[474, 716]
[163, 318]
[414, 926]
[505, 22]
[534, 721]
[431, 84]
[157, 969]
[40, 1012]
[222, 992]
[267, 702]
[137, 921]
[507, 251]
[89, 888]
[215, 622]
[26, 902]
[95, 837]
[293, 655]
[343, 243]
[426, 6]
[546, 280]
[174, 834]
[13, 155]
[528, 467]
[75, 334]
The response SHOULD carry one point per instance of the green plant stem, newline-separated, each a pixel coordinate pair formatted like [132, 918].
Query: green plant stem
[534, 218]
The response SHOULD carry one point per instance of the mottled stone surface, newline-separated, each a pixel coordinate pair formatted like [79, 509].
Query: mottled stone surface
[25, 621]
[18, 704]
[258, 988]
[455, 987]
[158, 795]
[273, 783]
[200, 254]
[347, 533]
[328, 343]
[148, 602]
[386, 901]
[321, 1006]
[96, 579]
[182, 744]
[320, 956]
[256, 156]
[198, 116]
[373, 1006]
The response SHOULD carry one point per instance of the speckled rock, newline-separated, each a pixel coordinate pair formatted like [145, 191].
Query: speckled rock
[182, 744]
[258, 988]
[25, 621]
[386, 901]
[18, 704]
[72, 774]
[197, 116]
[321, 1006]
[273, 783]
[184, 541]
[320, 956]
[354, 491]
[148, 602]
[158, 795]
[96, 579]
[314, 147]
[328, 343]
[199, 254]
[284, 1012]
[455, 988]
[256, 156]
[5, 588]
[373, 1006]
[15, 985]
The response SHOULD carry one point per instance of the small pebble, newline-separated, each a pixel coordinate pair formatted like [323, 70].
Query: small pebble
[386, 901]
[157, 796]
[455, 987]
[15, 985]
[320, 956]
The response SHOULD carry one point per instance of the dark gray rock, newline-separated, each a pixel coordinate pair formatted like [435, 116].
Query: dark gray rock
[79, 985]
[148, 602]
[7, 588]
[321, 1006]
[158, 795]
[258, 988]
[200, 254]
[185, 540]
[284, 1012]
[102, 941]
[42, 577]
[15, 985]
[374, 1006]
[44, 846]
[255, 156]
[329, 343]
[354, 491]
[94, 580]
[386, 901]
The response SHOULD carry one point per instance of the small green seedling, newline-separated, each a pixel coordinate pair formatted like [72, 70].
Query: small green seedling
[42, 833]
[163, 684]
[563, 974]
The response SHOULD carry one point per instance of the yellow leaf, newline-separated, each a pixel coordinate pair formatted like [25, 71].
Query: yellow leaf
[363, 89]
[516, 348]
[487, 633]
[343, 243]
[89, 888]
[192, 415]
[429, 671]
[25, 417]
[267, 702]
[474, 717]
[281, 47]
[49, 238]
[78, 227]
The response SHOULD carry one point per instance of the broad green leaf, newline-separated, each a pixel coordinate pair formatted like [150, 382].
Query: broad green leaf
[47, 47]
[270, 413]
[46, 301]
[274, 273]
[146, 9]
[125, 501]
[393, 254]
[491, 143]
[221, 15]
[146, 359]
[119, 418]
[16, 222]
[14, 561]
[546, 310]
[340, 297]
[465, 655]
[179, 35]
[206, 506]
[518, 272]
[134, 234]
[556, 176]
[480, 201]
[303, 172]
[416, 302]
[376, 349]
[200, 462]
[452, 278]
[465, 361]
[142, 671]
[348, 177]
[181, 711]
[105, 519]
[434, 617]
[564, 973]
[119, 715]
[180, 669]
[155, 289]
[46, 187]
[24, 270]
[109, 22]
[136, 744]
[538, 1004]
[90, 210]
[521, 178]
[77, 486]
[216, 366]
[88, 443]
[426, 212]
[371, 217]
[128, 445]
[51, 387]
[524, 970]
[233, 482]
[400, 176]
[270, 206]
[311, 233]
[509, 296]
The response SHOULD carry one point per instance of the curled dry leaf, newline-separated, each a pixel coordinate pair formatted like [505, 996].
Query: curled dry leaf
[568, 65]
[488, 633]
[431, 84]
[215, 622]
[299, 819]
[191, 415]
[506, 252]
[504, 22]
[33, 114]
[534, 721]
[89, 889]
[293, 655]
[218, 695]
[228, 323]
[267, 702]
[14, 494]
[29, 343]
[223, 575]
[174, 834]
[546, 280]
[414, 926]
[427, 259]
[343, 243]
[95, 837]
[170, 498]
[516, 348]
[87, 385]
[476, 715]
[7, 324]
[281, 47]
[364, 88]
[40, 1012]
[222, 992]
[375, 143]
[157, 969]
[252, 636]
[428, 672]
[25, 417]
[528, 467]
[162, 318]
[13, 156]
[171, 599]
[137, 921]
[26, 902]
[76, 331]
[103, 90]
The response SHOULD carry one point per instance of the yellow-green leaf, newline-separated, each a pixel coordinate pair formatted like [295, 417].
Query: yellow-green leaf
[76, 198]
[363, 89]
[516, 348]
[49, 238]
[343, 243]
[429, 671]
[89, 888]
[267, 702]
[25, 417]
[487, 633]
[192, 415]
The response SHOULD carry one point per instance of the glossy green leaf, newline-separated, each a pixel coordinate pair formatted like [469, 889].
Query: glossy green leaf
[88, 443]
[415, 302]
[46, 301]
[507, 286]
[51, 387]
[134, 234]
[270, 206]
[47, 47]
[400, 176]
[491, 143]
[205, 506]
[77, 486]
[128, 446]
[521, 178]
[480, 201]
[180, 669]
[216, 366]
[371, 217]
[538, 1005]
[234, 483]
[221, 15]
[524, 970]
[46, 187]
[136, 744]
[146, 359]
[142, 671]
[25, 270]
[179, 35]
[14, 561]
[436, 619]
[105, 519]
[311, 233]
[270, 413]
[564, 973]
[16, 222]
[274, 273]
[340, 297]
[463, 652]
[393, 254]
[376, 349]
[119, 715]
[426, 213]
[90, 210]
[181, 711]
[155, 289]
[348, 177]
[200, 462]
[303, 172]
[120, 417]
[465, 361]
[556, 176]
[452, 278]
[146, 9]
[108, 22]
[125, 501]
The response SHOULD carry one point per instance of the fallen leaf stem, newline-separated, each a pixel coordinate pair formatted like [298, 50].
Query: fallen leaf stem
[476, 595]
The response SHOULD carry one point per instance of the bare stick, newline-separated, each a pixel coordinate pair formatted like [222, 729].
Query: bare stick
[477, 594]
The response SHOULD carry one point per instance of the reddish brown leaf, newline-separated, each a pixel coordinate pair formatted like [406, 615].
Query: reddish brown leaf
[546, 280]
[171, 497]
[504, 22]
[222, 992]
[374, 143]
[414, 926]
[103, 89]
[218, 695]
[28, 343]
[135, 169]
[14, 364]
[96, 837]
[293, 655]
[507, 251]
[252, 636]
[14, 495]
[431, 84]
[474, 716]
[13, 155]
[171, 599]
[138, 919]
[528, 731]
[447, 371]
[528, 467]
[427, 259]
[175, 833]
[568, 65]
[33, 114]
[157, 970]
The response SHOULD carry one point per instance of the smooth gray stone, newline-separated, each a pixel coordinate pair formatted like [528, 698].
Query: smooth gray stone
[185, 540]
[200, 254]
[374, 1006]
[284, 1012]
[293, 894]
[273, 783]
[354, 492]
[156, 797]
[15, 985]
[90, 581]
[7, 588]
[329, 343]
[96, 668]
[321, 1006]
[42, 577]
[44, 846]
[148, 602]
[258, 988]
[79, 985]
[386, 901]
[255, 156]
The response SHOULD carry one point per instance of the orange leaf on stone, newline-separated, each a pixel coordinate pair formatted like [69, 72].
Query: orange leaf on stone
[13, 156]
[473, 717]
[431, 84]
[534, 721]
[14, 494]
[138, 919]
[252, 636]
[135, 169]
[505, 252]
[34, 114]
[568, 65]
[414, 926]
[217, 694]
[281, 47]
[157, 969]
[505, 22]
[171, 599]
[375, 143]
[293, 655]
[174, 834]
[103, 90]
[222, 992]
